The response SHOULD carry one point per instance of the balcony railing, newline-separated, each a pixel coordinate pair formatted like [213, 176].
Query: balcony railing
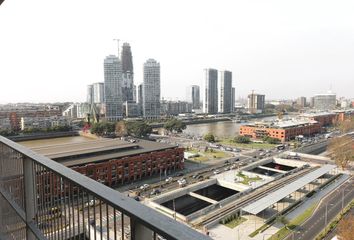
[42, 199]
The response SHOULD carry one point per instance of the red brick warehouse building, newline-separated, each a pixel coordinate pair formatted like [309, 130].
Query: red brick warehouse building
[114, 162]
[282, 130]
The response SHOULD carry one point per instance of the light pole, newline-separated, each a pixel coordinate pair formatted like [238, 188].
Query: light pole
[326, 214]
[344, 190]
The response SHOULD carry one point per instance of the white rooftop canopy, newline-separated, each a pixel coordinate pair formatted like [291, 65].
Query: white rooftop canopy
[263, 203]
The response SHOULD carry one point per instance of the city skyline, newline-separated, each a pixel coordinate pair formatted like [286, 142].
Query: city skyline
[266, 46]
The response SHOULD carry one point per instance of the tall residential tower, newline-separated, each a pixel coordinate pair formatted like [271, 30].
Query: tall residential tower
[151, 89]
[225, 96]
[193, 96]
[210, 102]
[128, 73]
[113, 88]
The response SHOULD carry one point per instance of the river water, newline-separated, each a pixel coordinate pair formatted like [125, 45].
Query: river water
[219, 129]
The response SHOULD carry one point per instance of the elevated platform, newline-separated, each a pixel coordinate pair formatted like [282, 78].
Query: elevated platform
[274, 197]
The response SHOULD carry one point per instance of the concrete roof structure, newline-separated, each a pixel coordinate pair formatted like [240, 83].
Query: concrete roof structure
[272, 198]
[98, 150]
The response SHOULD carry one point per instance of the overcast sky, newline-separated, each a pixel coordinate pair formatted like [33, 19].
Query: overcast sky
[50, 50]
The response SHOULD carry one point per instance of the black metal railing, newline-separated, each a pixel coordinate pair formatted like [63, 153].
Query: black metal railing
[42, 199]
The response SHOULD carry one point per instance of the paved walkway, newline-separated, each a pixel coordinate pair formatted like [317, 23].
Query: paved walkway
[242, 231]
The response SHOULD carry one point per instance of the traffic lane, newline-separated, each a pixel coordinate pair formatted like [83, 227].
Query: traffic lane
[315, 224]
[192, 177]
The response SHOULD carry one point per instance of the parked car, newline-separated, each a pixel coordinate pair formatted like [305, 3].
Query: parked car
[169, 179]
[155, 192]
[216, 171]
[195, 176]
[179, 174]
[145, 186]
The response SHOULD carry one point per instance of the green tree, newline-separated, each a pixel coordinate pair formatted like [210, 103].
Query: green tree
[102, 128]
[209, 137]
[242, 139]
[138, 129]
[175, 125]
[283, 220]
[341, 150]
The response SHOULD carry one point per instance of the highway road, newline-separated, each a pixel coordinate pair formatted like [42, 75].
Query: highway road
[325, 213]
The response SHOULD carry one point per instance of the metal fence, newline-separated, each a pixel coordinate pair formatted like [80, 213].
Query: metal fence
[41, 199]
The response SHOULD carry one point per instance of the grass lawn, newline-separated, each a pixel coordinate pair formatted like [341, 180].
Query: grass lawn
[235, 222]
[247, 179]
[247, 145]
[208, 155]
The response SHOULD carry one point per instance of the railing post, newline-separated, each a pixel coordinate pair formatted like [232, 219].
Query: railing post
[30, 194]
[139, 231]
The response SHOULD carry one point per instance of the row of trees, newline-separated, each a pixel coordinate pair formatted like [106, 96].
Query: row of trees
[8, 133]
[209, 137]
[341, 149]
[134, 128]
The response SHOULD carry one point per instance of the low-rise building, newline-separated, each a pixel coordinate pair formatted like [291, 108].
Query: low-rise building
[43, 122]
[175, 107]
[282, 130]
[114, 162]
[5, 124]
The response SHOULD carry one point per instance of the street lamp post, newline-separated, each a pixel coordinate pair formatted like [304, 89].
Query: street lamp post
[326, 217]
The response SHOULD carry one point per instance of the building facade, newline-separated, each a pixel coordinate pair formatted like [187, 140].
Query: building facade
[256, 103]
[98, 92]
[128, 73]
[113, 88]
[175, 107]
[43, 122]
[284, 131]
[89, 96]
[301, 102]
[233, 100]
[324, 101]
[225, 93]
[193, 96]
[151, 89]
[140, 98]
[210, 101]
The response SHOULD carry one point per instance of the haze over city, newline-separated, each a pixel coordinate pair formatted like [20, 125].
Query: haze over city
[279, 48]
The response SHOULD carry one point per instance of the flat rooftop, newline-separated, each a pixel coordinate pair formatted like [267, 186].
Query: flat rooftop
[282, 124]
[267, 201]
[80, 153]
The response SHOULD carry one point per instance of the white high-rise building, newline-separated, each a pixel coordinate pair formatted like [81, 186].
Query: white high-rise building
[225, 93]
[193, 96]
[256, 103]
[210, 94]
[113, 88]
[151, 89]
[98, 92]
[326, 101]
[89, 95]
[233, 99]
